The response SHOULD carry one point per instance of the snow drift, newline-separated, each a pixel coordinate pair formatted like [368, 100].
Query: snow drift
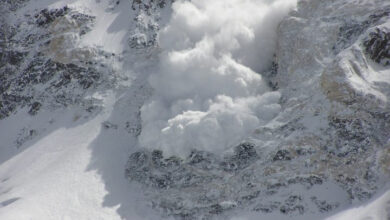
[209, 94]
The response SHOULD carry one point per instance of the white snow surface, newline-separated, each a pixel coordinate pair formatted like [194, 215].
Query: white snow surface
[377, 209]
[74, 172]
[209, 94]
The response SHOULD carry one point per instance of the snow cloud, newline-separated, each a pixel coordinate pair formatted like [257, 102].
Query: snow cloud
[209, 94]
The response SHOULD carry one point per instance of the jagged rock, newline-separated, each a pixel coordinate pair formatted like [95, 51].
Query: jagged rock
[53, 82]
[282, 155]
[154, 170]
[13, 57]
[46, 16]
[351, 29]
[292, 205]
[34, 108]
[307, 181]
[377, 46]
[13, 5]
[267, 208]
[145, 33]
[323, 206]
[244, 155]
[271, 75]
[175, 172]
[203, 160]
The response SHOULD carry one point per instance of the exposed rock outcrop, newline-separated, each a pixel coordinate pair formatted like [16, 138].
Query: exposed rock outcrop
[42, 67]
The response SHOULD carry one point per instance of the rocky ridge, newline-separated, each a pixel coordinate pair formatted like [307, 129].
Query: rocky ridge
[41, 67]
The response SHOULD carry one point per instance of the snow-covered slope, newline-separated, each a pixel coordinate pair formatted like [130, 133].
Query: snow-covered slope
[224, 109]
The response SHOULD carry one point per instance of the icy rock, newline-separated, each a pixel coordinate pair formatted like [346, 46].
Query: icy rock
[58, 73]
[282, 155]
[244, 155]
[145, 33]
[378, 46]
[45, 17]
[34, 108]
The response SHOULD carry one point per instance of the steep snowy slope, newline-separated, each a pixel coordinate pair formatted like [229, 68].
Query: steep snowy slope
[153, 109]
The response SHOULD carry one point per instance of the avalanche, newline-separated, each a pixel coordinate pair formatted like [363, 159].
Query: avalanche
[223, 109]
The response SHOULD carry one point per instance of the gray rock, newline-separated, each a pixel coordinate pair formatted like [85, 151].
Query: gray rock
[377, 46]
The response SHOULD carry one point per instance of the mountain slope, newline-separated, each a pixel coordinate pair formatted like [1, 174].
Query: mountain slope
[150, 109]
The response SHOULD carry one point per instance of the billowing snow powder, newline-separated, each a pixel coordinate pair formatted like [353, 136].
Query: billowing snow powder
[209, 94]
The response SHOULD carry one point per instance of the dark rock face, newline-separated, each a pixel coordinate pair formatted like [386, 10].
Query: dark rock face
[292, 204]
[377, 46]
[355, 135]
[145, 33]
[142, 4]
[46, 16]
[354, 139]
[203, 160]
[13, 5]
[271, 75]
[212, 177]
[350, 30]
[52, 76]
[308, 181]
[34, 108]
[30, 78]
[244, 155]
[323, 205]
[152, 169]
[282, 155]
[197, 170]
[350, 131]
